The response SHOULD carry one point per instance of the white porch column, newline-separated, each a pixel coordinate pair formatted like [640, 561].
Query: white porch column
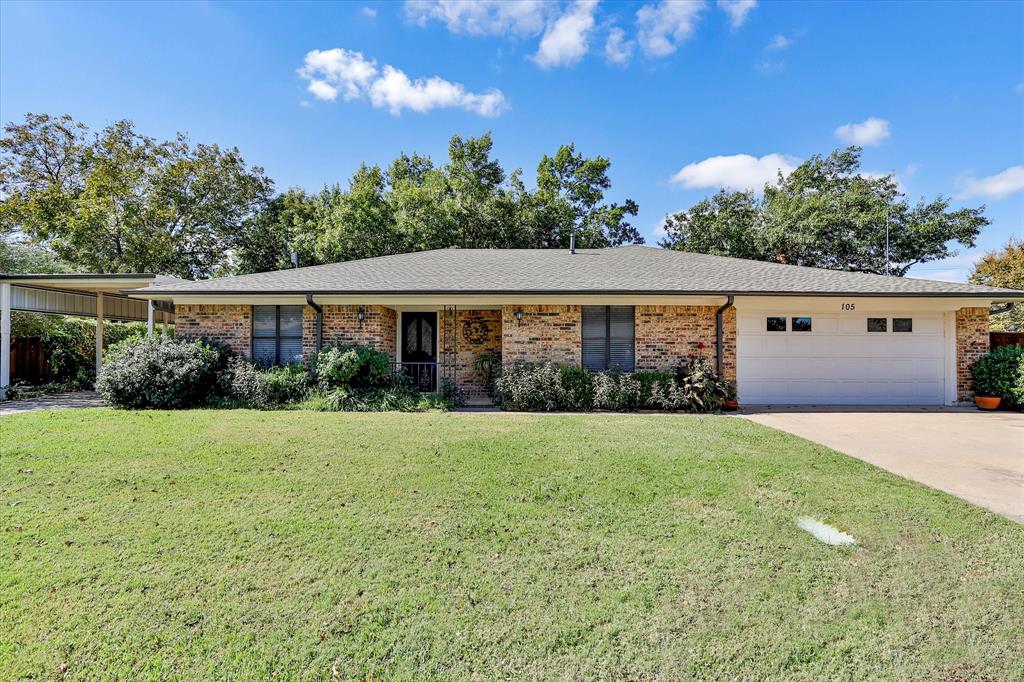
[5, 336]
[99, 330]
[149, 318]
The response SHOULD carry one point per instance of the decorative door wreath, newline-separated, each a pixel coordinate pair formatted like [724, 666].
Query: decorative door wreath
[475, 331]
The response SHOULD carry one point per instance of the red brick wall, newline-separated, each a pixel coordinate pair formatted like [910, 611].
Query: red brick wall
[230, 324]
[341, 324]
[667, 335]
[546, 333]
[971, 343]
[476, 332]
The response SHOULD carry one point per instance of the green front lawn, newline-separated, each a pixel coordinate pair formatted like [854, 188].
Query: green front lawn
[236, 544]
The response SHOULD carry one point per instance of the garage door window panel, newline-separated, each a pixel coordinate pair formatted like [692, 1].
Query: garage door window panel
[776, 324]
[902, 325]
[878, 324]
[801, 324]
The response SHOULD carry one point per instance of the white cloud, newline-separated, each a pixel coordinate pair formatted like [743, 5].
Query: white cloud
[395, 91]
[335, 71]
[329, 71]
[565, 40]
[370, 12]
[868, 133]
[736, 172]
[662, 27]
[618, 50]
[481, 17]
[778, 42]
[995, 186]
[737, 10]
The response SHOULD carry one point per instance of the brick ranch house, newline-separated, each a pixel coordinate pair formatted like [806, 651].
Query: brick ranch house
[783, 333]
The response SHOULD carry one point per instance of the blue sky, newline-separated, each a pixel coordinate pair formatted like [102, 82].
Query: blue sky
[683, 97]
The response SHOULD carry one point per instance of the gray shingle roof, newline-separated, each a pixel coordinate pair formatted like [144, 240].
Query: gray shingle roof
[621, 270]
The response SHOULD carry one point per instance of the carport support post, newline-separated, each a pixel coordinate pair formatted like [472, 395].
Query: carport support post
[99, 331]
[5, 337]
[149, 318]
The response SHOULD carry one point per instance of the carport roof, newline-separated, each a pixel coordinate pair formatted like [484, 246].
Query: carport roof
[620, 270]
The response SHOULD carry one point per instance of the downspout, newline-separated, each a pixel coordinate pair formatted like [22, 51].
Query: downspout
[720, 334]
[319, 320]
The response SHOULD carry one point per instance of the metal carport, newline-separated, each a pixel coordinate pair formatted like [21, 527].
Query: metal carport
[100, 296]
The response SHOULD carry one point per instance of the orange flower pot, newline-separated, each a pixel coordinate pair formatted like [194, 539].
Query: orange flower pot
[987, 402]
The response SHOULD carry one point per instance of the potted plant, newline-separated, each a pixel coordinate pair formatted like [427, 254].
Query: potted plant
[994, 376]
[730, 403]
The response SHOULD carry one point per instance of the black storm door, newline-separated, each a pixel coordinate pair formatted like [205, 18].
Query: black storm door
[419, 349]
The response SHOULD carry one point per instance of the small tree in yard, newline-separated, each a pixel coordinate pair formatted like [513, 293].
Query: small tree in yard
[1004, 268]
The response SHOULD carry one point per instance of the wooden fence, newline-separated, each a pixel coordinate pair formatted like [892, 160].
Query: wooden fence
[28, 362]
[997, 339]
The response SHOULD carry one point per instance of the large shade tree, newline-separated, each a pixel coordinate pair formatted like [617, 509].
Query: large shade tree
[468, 201]
[826, 214]
[119, 201]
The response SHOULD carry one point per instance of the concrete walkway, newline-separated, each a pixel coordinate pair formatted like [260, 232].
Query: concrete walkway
[57, 401]
[976, 455]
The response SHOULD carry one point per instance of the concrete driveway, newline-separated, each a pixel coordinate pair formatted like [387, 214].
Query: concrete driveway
[56, 401]
[976, 455]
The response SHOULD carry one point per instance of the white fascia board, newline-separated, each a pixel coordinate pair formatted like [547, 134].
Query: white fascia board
[434, 301]
[842, 304]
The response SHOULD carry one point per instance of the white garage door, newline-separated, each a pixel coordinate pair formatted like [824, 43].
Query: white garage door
[870, 359]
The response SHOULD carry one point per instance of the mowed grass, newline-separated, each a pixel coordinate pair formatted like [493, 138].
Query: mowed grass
[293, 545]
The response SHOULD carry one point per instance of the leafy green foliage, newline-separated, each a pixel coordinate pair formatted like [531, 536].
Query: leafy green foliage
[469, 201]
[354, 366]
[266, 388]
[119, 201]
[159, 373]
[549, 387]
[18, 258]
[826, 214]
[69, 343]
[998, 373]
[1003, 268]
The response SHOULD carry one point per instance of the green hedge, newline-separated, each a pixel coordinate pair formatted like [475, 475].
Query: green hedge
[69, 343]
[549, 388]
[1000, 372]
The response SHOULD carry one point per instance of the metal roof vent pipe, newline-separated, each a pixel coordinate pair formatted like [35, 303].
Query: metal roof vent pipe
[572, 243]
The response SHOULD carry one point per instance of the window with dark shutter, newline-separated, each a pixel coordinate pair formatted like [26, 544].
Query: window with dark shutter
[276, 334]
[608, 337]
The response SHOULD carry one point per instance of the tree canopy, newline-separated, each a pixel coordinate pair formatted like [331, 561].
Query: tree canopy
[469, 201]
[118, 201]
[1003, 268]
[826, 214]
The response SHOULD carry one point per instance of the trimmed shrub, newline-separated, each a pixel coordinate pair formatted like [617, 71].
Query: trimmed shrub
[998, 373]
[263, 389]
[694, 388]
[349, 365]
[451, 394]
[159, 373]
[529, 388]
[578, 388]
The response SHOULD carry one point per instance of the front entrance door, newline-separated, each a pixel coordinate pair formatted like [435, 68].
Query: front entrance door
[419, 349]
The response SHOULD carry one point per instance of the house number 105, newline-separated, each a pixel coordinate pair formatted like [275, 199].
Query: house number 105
[849, 306]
